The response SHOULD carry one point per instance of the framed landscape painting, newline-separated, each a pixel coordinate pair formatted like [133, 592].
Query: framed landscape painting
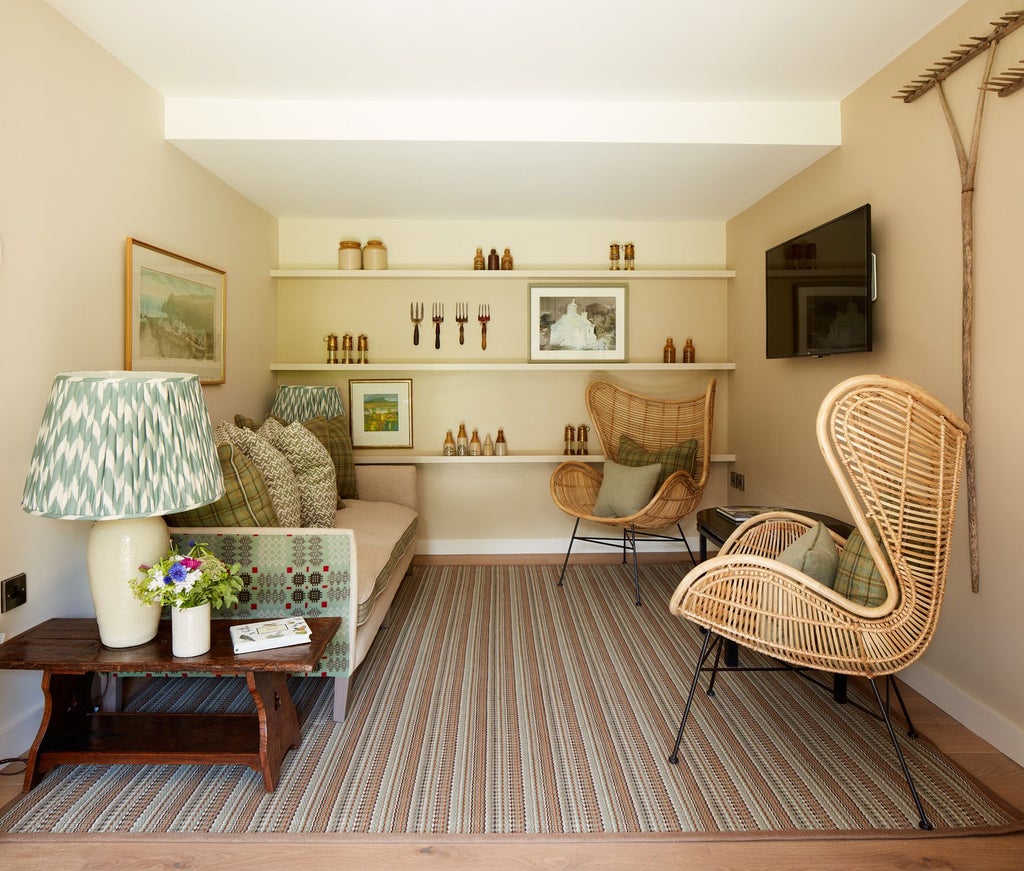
[572, 323]
[174, 313]
[381, 413]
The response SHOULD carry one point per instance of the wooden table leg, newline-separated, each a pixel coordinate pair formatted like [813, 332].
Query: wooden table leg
[67, 702]
[278, 721]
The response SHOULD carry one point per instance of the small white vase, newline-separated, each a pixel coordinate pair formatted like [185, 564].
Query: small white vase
[190, 630]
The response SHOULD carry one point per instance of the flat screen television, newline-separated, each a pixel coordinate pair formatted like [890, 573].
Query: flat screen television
[819, 287]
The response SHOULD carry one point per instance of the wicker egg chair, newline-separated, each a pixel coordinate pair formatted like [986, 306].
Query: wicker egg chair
[896, 455]
[655, 424]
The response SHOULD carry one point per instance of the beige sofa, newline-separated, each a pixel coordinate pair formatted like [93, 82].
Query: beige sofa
[352, 571]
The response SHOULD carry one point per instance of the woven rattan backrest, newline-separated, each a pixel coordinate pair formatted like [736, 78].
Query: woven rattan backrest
[653, 423]
[897, 455]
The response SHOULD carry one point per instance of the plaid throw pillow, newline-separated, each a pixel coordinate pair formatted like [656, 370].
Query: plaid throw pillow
[681, 457]
[857, 576]
[333, 434]
[246, 500]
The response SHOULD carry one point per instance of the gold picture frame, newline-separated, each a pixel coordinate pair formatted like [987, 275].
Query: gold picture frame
[175, 310]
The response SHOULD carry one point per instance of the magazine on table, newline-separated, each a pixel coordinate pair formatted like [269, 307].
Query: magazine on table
[739, 513]
[268, 634]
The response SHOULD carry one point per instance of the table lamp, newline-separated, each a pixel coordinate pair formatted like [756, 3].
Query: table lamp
[122, 449]
[297, 402]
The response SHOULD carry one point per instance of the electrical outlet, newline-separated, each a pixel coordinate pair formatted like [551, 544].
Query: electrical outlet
[13, 592]
[737, 481]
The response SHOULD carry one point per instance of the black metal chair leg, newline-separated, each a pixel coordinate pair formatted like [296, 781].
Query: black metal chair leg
[701, 659]
[714, 668]
[682, 535]
[890, 681]
[636, 568]
[572, 538]
[923, 822]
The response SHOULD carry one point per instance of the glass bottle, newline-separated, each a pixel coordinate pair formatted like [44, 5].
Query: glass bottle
[474, 445]
[462, 442]
[689, 352]
[501, 446]
[448, 448]
[669, 355]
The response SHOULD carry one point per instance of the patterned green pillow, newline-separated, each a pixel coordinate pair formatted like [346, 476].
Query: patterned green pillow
[246, 500]
[318, 494]
[334, 435]
[625, 489]
[857, 576]
[681, 457]
[814, 553]
[275, 468]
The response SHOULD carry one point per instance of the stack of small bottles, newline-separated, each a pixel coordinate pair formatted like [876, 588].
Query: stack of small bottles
[465, 446]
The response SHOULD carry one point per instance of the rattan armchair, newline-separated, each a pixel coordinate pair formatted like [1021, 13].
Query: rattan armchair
[655, 424]
[896, 455]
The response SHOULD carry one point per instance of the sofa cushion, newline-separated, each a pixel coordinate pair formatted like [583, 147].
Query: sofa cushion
[814, 553]
[314, 471]
[625, 489]
[334, 435]
[383, 532]
[275, 468]
[246, 500]
[681, 457]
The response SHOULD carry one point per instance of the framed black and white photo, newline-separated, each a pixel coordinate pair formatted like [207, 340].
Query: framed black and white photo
[577, 323]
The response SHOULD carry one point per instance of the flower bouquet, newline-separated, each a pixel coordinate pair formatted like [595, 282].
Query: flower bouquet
[185, 581]
[191, 584]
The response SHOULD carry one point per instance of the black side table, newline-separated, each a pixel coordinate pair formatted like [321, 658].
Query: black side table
[715, 526]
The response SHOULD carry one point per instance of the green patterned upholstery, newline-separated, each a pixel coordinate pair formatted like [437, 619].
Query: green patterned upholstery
[286, 575]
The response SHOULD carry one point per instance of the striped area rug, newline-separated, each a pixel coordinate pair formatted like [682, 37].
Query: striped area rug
[498, 703]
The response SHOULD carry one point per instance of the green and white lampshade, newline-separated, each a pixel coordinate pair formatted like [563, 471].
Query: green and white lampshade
[122, 449]
[295, 402]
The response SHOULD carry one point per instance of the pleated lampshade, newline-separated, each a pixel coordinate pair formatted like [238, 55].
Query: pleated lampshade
[297, 402]
[122, 449]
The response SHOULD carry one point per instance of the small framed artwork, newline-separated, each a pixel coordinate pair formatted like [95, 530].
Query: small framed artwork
[174, 313]
[381, 413]
[577, 323]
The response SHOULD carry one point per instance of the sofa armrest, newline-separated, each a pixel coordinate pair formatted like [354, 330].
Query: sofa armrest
[289, 573]
[388, 483]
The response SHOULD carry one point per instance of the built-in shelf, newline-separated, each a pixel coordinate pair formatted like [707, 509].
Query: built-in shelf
[500, 274]
[393, 457]
[356, 368]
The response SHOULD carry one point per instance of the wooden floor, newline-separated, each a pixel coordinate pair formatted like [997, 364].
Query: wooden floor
[370, 853]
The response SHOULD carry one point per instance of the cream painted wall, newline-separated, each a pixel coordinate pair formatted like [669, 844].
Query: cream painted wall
[900, 158]
[502, 508]
[83, 164]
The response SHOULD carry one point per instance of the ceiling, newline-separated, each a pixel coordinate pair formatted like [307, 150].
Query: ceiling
[653, 110]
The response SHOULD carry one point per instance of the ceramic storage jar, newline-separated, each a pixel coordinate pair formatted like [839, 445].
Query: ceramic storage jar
[375, 255]
[350, 255]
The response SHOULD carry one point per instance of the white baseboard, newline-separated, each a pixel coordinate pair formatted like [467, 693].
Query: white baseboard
[1007, 737]
[500, 546]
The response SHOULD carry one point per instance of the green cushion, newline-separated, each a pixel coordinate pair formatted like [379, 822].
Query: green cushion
[334, 435]
[857, 576]
[814, 553]
[318, 494]
[625, 489]
[275, 468]
[681, 457]
[246, 500]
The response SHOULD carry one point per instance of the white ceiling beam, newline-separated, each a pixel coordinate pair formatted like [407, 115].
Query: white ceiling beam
[741, 123]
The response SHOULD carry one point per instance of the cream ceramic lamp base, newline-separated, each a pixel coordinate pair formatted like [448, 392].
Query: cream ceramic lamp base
[116, 550]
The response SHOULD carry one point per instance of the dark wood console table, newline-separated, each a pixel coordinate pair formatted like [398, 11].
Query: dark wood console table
[69, 653]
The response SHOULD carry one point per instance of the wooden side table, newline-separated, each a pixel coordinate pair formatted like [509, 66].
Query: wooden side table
[716, 527]
[69, 653]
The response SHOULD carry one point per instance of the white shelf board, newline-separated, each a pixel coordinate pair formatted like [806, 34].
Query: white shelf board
[500, 274]
[356, 368]
[390, 457]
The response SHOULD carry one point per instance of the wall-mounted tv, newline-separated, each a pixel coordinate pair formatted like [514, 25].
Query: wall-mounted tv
[819, 287]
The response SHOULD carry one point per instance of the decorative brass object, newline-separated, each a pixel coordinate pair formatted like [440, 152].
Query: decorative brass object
[332, 347]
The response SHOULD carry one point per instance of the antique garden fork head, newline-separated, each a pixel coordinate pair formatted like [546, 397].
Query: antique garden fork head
[461, 316]
[416, 315]
[484, 317]
[438, 319]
